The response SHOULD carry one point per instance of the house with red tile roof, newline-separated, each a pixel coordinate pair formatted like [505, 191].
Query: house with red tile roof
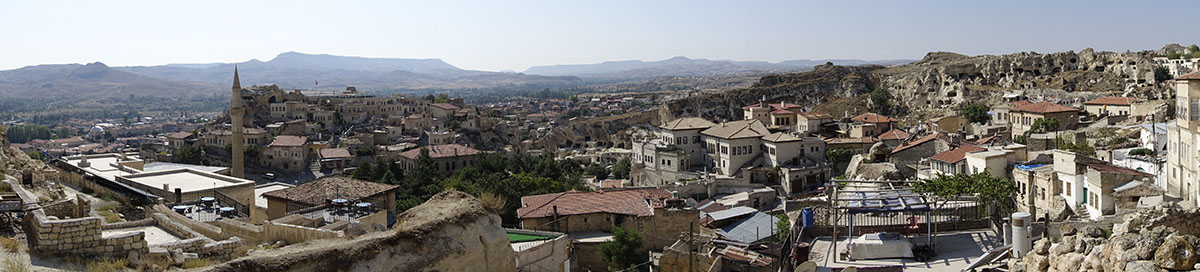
[913, 151]
[1090, 187]
[1021, 118]
[952, 161]
[773, 114]
[655, 212]
[446, 157]
[1110, 105]
[871, 124]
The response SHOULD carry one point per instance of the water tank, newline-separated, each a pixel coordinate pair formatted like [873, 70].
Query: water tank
[806, 218]
[1022, 241]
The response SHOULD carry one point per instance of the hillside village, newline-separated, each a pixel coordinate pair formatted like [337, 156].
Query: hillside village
[945, 178]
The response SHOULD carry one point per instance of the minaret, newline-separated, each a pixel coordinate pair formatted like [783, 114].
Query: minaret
[237, 169]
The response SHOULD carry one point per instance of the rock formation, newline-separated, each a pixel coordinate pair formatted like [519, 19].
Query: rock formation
[450, 232]
[1158, 239]
[15, 163]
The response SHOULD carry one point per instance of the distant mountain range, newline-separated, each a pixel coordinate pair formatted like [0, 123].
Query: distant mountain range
[294, 70]
[91, 81]
[683, 66]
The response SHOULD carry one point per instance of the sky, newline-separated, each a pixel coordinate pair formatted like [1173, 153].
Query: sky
[514, 35]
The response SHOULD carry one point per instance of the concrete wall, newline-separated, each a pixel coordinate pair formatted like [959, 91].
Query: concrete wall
[550, 255]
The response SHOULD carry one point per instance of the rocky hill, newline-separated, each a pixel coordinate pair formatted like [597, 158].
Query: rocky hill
[686, 67]
[293, 70]
[947, 80]
[91, 81]
[1163, 238]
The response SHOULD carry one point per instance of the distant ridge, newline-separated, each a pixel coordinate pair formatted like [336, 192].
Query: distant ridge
[91, 81]
[683, 66]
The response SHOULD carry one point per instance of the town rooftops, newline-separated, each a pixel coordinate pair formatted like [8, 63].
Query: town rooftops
[1189, 76]
[815, 115]
[72, 140]
[894, 134]
[916, 142]
[851, 140]
[957, 154]
[335, 153]
[180, 135]
[778, 112]
[873, 118]
[1044, 107]
[445, 106]
[441, 151]
[331, 187]
[687, 123]
[186, 179]
[637, 202]
[289, 141]
[251, 131]
[1111, 100]
[780, 137]
[737, 129]
[1106, 167]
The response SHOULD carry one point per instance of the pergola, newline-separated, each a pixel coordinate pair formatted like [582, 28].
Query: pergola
[889, 196]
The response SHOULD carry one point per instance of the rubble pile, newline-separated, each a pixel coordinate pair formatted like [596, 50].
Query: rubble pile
[1162, 238]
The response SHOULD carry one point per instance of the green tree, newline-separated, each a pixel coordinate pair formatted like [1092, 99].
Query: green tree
[839, 155]
[1142, 152]
[597, 170]
[1161, 74]
[986, 188]
[625, 250]
[187, 155]
[454, 125]
[365, 171]
[784, 227]
[881, 101]
[1079, 148]
[34, 155]
[420, 183]
[621, 169]
[976, 113]
[1043, 125]
[251, 152]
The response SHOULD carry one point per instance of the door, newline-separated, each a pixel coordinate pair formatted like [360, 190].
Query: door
[1085, 195]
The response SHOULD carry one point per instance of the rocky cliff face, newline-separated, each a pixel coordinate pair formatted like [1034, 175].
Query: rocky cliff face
[15, 163]
[450, 232]
[944, 79]
[807, 89]
[1158, 239]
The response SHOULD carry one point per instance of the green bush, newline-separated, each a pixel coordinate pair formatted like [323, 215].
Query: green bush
[1142, 152]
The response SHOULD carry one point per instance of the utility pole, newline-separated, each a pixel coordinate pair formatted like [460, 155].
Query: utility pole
[691, 246]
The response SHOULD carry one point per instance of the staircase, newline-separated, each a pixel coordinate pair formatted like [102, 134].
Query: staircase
[1081, 210]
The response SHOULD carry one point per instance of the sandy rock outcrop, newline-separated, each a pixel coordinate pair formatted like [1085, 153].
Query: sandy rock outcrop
[1161, 238]
[450, 232]
[15, 163]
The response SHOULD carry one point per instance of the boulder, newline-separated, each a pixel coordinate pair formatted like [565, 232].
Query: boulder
[1067, 230]
[1059, 210]
[1092, 231]
[1067, 245]
[1142, 266]
[1041, 247]
[1067, 262]
[1176, 253]
[1034, 262]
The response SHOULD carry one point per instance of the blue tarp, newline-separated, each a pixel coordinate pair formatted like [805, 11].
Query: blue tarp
[1028, 167]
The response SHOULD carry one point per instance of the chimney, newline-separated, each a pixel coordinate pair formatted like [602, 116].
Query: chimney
[83, 161]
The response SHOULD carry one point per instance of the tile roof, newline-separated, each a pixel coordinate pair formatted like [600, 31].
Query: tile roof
[873, 118]
[335, 153]
[916, 142]
[687, 123]
[445, 106]
[330, 187]
[774, 106]
[1044, 107]
[894, 134]
[850, 140]
[1106, 167]
[737, 129]
[781, 137]
[441, 151]
[289, 141]
[957, 154]
[250, 131]
[816, 115]
[180, 135]
[1111, 100]
[1016, 104]
[638, 202]
[1189, 76]
[782, 111]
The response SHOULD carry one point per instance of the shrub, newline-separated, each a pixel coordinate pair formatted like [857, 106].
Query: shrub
[12, 265]
[107, 265]
[10, 244]
[1142, 152]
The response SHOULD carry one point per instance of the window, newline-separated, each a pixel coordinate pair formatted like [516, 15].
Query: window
[1194, 109]
[696, 139]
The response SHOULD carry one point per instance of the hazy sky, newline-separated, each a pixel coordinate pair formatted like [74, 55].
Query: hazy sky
[513, 35]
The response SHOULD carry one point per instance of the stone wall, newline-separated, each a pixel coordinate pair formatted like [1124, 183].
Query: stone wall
[450, 232]
[548, 255]
[296, 233]
[79, 236]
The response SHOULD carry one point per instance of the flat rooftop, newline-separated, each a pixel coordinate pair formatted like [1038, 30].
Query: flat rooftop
[261, 201]
[162, 166]
[103, 165]
[955, 251]
[154, 235]
[189, 180]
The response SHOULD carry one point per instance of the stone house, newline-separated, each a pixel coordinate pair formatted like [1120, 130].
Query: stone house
[589, 216]
[287, 153]
[1021, 118]
[871, 124]
[250, 136]
[181, 139]
[1109, 105]
[733, 145]
[913, 152]
[952, 162]
[1087, 185]
[322, 191]
[809, 122]
[800, 160]
[1182, 136]
[447, 158]
[893, 138]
